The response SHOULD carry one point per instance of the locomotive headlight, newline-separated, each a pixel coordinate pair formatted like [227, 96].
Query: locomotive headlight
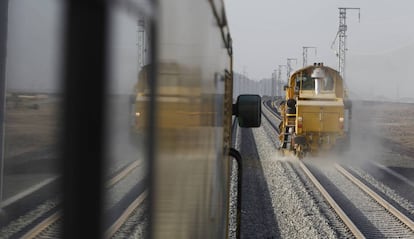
[137, 114]
[341, 123]
[300, 119]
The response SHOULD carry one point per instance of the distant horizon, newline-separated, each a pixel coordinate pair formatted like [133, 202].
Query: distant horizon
[268, 32]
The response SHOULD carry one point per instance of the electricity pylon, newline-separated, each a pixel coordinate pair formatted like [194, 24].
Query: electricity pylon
[289, 66]
[279, 79]
[342, 37]
[305, 54]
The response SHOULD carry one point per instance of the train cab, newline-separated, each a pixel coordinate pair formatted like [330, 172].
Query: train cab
[314, 114]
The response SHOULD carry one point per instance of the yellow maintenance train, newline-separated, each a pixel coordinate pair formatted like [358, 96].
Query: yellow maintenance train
[316, 113]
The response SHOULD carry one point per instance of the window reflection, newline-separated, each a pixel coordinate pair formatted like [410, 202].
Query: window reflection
[32, 109]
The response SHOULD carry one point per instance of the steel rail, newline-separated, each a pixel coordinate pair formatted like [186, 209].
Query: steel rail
[346, 220]
[342, 215]
[36, 230]
[42, 225]
[395, 212]
[266, 106]
[125, 215]
[270, 111]
[392, 172]
[123, 173]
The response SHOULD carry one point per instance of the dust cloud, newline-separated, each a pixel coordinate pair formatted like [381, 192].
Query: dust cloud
[366, 141]
[365, 144]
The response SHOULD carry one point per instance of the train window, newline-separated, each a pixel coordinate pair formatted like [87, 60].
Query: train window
[71, 115]
[127, 122]
[93, 121]
[31, 112]
[329, 83]
[307, 83]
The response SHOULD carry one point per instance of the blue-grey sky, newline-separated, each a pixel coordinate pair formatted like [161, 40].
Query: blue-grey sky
[266, 32]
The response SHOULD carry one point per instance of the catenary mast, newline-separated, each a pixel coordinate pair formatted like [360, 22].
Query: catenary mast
[341, 35]
[305, 54]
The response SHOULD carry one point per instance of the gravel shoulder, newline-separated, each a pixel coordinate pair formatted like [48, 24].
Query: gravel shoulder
[276, 201]
[258, 219]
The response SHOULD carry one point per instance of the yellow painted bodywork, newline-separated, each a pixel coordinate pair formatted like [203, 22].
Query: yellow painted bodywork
[320, 123]
[179, 100]
[192, 120]
[318, 117]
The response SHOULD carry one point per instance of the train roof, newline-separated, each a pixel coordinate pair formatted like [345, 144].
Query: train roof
[321, 65]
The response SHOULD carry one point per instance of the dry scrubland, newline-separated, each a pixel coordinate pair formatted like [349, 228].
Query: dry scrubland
[30, 126]
[29, 129]
[392, 121]
[396, 122]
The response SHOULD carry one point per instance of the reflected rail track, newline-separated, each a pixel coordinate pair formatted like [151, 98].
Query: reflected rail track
[50, 224]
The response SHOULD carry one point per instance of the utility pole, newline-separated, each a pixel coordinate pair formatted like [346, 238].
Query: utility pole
[342, 37]
[274, 84]
[279, 79]
[245, 82]
[4, 9]
[289, 66]
[141, 43]
[305, 54]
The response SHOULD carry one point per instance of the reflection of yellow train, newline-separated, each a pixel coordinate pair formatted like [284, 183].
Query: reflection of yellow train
[189, 86]
[179, 98]
[316, 113]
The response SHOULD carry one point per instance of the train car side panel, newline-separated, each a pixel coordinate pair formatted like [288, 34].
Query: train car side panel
[191, 171]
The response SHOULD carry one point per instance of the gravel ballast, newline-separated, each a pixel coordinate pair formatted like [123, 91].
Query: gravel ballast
[276, 203]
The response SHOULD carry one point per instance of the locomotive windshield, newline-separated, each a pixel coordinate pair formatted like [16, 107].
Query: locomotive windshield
[306, 82]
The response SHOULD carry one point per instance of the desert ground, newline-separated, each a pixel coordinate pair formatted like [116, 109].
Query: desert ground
[32, 129]
[393, 122]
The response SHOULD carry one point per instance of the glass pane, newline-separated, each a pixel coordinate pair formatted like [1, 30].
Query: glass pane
[30, 169]
[127, 100]
[193, 122]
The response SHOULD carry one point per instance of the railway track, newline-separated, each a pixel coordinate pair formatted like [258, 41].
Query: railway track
[268, 109]
[368, 214]
[390, 183]
[273, 119]
[365, 213]
[49, 226]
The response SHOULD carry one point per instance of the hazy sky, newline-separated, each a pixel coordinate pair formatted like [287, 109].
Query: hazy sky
[266, 32]
[34, 55]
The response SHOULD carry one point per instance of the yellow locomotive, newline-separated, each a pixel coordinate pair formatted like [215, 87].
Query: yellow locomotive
[316, 113]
